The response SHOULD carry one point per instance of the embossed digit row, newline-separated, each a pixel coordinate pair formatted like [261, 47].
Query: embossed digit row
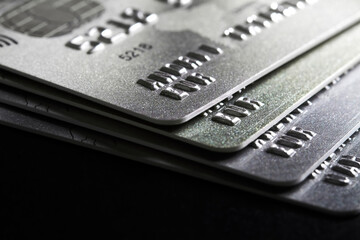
[255, 24]
[96, 38]
[178, 79]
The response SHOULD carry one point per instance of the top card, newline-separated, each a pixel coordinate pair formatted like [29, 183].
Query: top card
[162, 61]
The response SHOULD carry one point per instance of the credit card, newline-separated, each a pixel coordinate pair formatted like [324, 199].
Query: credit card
[284, 155]
[157, 62]
[233, 124]
[332, 188]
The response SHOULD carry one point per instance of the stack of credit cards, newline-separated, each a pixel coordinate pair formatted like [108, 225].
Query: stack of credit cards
[257, 95]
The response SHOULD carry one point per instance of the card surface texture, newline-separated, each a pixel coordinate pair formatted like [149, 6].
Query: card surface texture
[156, 61]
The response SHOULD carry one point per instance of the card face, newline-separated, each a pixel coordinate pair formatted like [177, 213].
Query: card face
[285, 155]
[155, 61]
[233, 124]
[332, 188]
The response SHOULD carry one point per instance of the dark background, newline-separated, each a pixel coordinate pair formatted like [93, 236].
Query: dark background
[55, 190]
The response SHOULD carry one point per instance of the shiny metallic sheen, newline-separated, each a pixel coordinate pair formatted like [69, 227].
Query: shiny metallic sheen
[281, 92]
[104, 78]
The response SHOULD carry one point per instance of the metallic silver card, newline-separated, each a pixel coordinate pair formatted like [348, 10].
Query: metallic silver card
[269, 99]
[157, 62]
[332, 188]
[284, 155]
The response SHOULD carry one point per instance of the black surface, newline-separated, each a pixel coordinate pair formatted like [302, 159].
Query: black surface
[69, 192]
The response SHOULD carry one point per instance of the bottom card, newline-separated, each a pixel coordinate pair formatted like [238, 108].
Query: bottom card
[333, 187]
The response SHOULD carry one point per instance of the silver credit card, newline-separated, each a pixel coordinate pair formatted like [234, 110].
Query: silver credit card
[269, 99]
[157, 62]
[332, 188]
[284, 155]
